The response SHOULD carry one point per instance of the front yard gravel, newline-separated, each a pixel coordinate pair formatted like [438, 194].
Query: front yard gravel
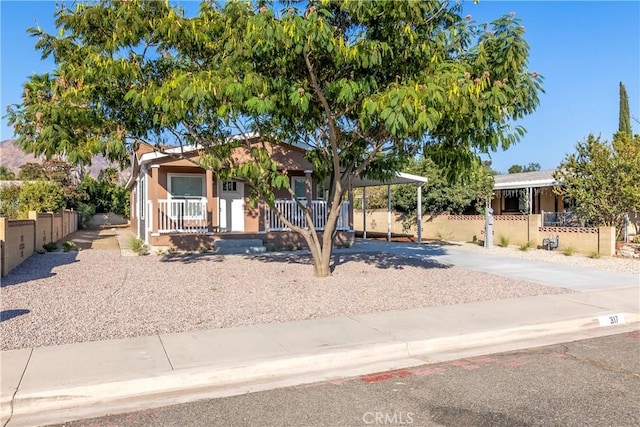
[62, 298]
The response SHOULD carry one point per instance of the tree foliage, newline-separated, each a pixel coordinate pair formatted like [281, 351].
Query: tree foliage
[105, 194]
[531, 167]
[9, 201]
[439, 194]
[31, 171]
[6, 174]
[40, 196]
[365, 86]
[603, 179]
[624, 119]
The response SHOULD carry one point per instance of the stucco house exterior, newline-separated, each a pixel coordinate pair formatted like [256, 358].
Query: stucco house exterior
[176, 203]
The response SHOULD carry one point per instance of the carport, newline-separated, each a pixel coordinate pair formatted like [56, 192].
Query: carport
[400, 178]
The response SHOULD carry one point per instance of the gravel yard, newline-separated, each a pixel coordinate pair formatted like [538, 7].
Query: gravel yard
[62, 298]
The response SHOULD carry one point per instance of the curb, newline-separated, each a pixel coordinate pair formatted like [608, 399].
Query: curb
[184, 385]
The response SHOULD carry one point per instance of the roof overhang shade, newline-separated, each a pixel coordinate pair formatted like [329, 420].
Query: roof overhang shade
[525, 184]
[400, 178]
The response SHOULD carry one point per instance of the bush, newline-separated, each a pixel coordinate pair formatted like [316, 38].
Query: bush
[85, 213]
[41, 196]
[69, 245]
[527, 246]
[138, 246]
[9, 201]
[50, 247]
[504, 241]
[594, 255]
[569, 250]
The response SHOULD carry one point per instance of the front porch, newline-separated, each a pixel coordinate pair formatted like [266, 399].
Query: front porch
[192, 216]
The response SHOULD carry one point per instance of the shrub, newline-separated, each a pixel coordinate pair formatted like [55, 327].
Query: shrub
[527, 246]
[569, 250]
[594, 255]
[504, 241]
[9, 196]
[138, 246]
[50, 247]
[69, 245]
[85, 213]
[41, 196]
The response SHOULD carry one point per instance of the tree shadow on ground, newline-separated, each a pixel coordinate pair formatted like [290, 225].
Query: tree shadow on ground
[38, 266]
[10, 314]
[192, 258]
[382, 260]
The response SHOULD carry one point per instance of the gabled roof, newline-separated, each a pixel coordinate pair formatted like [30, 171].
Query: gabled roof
[525, 179]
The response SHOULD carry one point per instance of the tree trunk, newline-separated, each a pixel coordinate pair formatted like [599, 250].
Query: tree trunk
[321, 250]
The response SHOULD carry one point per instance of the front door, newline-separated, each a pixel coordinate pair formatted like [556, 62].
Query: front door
[231, 212]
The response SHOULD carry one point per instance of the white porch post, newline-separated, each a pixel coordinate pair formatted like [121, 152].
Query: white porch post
[419, 213]
[139, 209]
[364, 212]
[388, 213]
[530, 200]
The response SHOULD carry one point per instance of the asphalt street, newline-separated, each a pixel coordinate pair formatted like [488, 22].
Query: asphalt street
[594, 382]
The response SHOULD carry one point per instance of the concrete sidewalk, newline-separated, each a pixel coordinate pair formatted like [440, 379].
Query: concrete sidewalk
[55, 384]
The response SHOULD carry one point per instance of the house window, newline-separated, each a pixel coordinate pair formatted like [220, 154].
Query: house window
[514, 201]
[299, 186]
[322, 193]
[186, 193]
[186, 186]
[141, 197]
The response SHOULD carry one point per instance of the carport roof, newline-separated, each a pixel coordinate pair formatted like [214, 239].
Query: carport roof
[400, 178]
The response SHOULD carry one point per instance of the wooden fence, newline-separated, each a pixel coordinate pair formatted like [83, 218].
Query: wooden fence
[20, 238]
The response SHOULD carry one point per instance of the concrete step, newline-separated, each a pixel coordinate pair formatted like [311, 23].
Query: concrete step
[239, 246]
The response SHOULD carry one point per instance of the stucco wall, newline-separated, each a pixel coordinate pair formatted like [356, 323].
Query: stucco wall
[516, 229]
[19, 239]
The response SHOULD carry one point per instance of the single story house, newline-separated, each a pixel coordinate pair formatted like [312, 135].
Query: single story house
[526, 193]
[177, 203]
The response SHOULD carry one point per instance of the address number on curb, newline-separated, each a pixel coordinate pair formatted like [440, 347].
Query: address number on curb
[611, 319]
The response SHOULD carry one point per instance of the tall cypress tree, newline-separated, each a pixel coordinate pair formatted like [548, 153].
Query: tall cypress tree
[624, 121]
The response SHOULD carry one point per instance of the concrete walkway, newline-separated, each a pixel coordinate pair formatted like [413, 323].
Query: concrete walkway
[547, 273]
[56, 384]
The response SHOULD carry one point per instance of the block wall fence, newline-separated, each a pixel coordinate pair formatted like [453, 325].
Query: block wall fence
[518, 229]
[20, 238]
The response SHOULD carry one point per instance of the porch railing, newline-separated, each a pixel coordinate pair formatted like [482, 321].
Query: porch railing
[292, 212]
[182, 216]
[561, 219]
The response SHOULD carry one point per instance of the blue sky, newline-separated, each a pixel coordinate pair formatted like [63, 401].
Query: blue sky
[582, 48]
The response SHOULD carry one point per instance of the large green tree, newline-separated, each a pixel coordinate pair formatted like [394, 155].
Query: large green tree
[624, 116]
[531, 167]
[441, 194]
[602, 179]
[364, 86]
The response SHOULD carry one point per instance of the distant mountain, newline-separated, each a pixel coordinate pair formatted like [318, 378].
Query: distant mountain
[13, 157]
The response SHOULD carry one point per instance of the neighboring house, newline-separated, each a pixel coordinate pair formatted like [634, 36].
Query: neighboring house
[526, 193]
[176, 203]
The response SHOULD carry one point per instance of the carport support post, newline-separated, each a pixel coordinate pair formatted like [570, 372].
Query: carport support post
[388, 213]
[419, 214]
[364, 212]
